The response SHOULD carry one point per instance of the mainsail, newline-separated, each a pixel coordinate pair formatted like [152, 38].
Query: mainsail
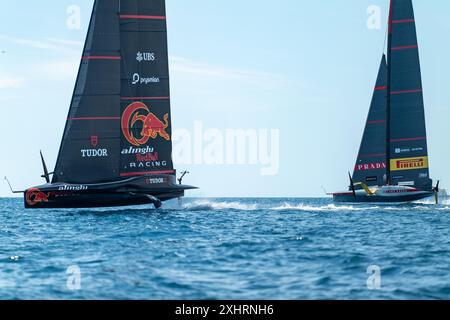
[407, 138]
[370, 165]
[119, 123]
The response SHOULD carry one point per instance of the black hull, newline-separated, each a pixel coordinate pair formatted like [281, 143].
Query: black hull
[134, 191]
[349, 198]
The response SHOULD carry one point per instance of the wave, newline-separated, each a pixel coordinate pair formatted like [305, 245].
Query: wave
[219, 205]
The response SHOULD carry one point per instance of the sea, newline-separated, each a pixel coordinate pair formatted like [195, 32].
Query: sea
[227, 249]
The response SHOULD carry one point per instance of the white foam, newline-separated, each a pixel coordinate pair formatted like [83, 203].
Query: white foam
[337, 208]
[324, 208]
[219, 205]
[427, 201]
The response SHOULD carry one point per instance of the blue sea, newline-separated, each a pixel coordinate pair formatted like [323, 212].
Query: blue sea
[227, 249]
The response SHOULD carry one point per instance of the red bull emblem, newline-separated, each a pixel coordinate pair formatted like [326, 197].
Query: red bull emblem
[35, 196]
[94, 141]
[152, 126]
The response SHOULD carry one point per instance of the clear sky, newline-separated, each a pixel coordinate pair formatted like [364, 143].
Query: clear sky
[305, 68]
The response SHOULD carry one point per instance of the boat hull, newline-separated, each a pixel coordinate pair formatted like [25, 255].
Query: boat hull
[404, 198]
[135, 191]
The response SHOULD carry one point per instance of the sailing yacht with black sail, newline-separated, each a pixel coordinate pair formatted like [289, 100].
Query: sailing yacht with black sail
[392, 164]
[117, 144]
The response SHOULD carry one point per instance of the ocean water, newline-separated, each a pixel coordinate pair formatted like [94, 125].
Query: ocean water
[227, 249]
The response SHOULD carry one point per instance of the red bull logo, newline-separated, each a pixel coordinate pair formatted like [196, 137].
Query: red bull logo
[152, 126]
[34, 196]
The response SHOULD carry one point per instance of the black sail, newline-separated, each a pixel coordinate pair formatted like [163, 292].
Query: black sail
[90, 146]
[407, 143]
[146, 137]
[370, 165]
[119, 123]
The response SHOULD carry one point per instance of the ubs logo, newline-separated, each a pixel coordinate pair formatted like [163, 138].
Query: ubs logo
[145, 56]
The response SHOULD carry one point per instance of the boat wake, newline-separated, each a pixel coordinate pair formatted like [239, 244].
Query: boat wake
[308, 207]
[304, 206]
[431, 201]
[209, 205]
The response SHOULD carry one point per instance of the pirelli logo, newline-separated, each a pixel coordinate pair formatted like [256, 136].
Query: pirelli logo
[409, 164]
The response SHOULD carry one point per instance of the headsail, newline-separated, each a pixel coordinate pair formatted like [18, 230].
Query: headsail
[370, 165]
[119, 122]
[407, 143]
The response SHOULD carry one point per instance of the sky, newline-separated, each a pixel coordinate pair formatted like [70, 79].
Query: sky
[301, 70]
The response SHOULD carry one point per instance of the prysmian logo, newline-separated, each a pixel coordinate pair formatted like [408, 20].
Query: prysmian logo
[78, 187]
[137, 79]
[145, 56]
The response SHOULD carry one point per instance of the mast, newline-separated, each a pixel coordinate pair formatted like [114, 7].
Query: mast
[388, 106]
